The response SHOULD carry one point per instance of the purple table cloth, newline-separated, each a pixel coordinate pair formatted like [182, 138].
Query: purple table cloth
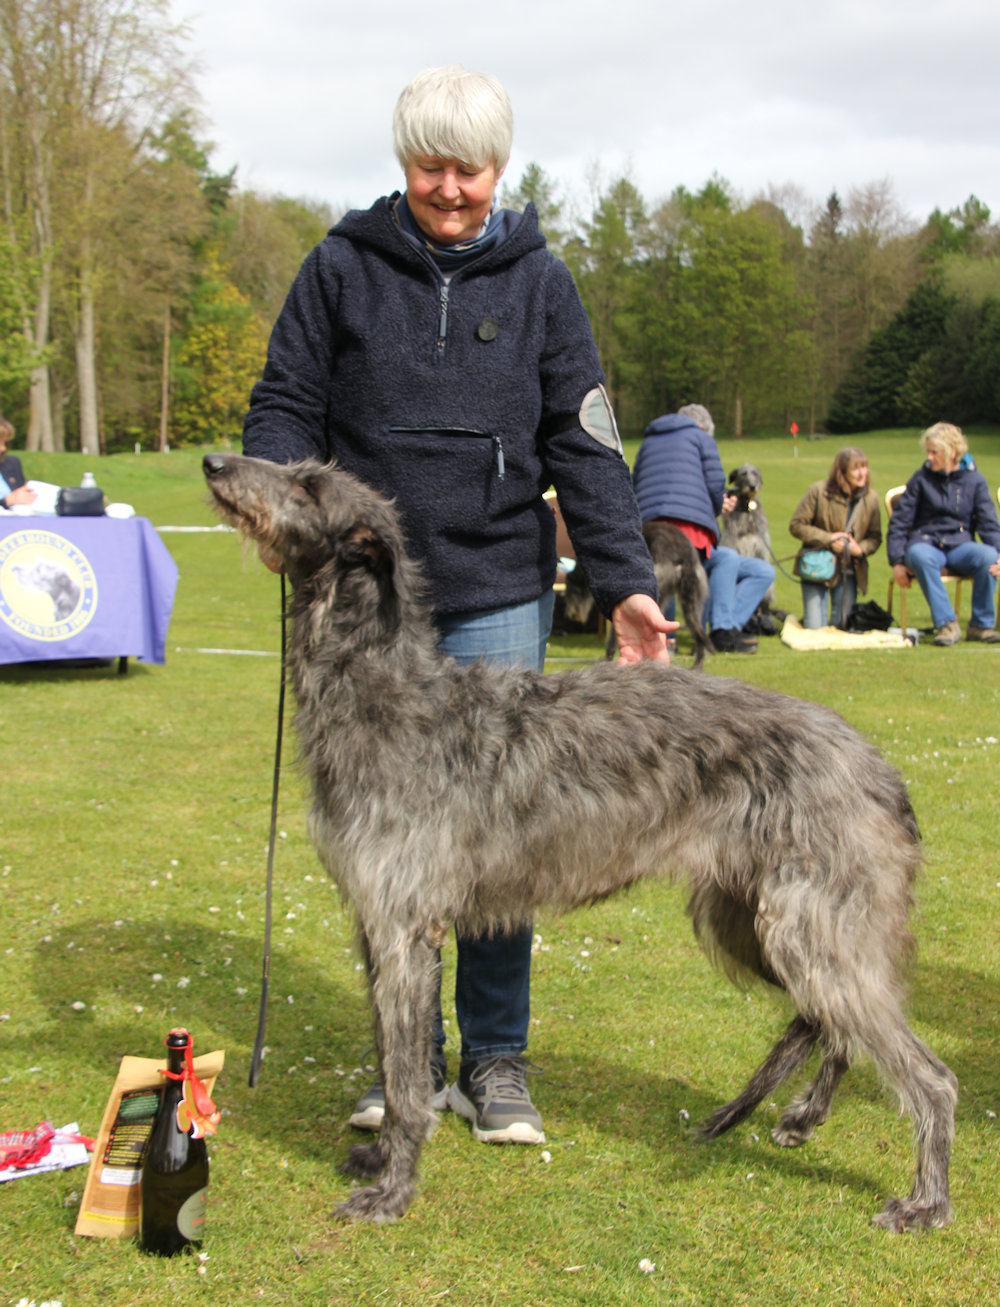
[83, 587]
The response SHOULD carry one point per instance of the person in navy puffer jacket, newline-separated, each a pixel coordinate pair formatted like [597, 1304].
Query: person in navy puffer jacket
[945, 504]
[678, 477]
[434, 347]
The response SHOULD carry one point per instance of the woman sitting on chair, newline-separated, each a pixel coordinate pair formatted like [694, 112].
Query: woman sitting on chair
[946, 503]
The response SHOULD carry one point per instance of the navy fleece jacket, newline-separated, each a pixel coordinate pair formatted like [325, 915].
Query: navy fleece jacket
[464, 401]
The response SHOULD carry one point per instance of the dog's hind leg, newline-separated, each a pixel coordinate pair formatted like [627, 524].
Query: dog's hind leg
[812, 1108]
[787, 1056]
[402, 992]
[693, 594]
[927, 1090]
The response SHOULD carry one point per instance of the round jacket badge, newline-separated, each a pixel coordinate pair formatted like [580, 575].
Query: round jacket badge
[488, 329]
[48, 590]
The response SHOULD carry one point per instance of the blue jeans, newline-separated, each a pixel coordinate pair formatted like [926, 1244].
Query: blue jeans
[736, 586]
[970, 559]
[493, 974]
[814, 599]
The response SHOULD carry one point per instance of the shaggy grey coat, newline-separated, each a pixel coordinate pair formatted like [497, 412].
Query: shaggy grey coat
[475, 794]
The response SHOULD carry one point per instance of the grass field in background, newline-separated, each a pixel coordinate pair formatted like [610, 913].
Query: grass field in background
[133, 834]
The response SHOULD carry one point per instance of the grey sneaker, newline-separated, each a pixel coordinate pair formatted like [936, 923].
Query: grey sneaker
[493, 1095]
[369, 1111]
[950, 633]
[984, 634]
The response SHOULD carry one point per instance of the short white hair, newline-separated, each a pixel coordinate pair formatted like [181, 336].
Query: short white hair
[698, 413]
[451, 113]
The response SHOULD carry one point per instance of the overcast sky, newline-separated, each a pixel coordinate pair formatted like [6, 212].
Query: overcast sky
[822, 94]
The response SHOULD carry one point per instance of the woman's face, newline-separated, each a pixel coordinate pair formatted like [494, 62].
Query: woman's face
[450, 200]
[857, 476]
[940, 460]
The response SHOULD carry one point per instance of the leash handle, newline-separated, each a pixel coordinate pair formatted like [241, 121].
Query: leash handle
[258, 1048]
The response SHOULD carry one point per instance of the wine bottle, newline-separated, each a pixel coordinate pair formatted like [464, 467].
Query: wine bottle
[174, 1185]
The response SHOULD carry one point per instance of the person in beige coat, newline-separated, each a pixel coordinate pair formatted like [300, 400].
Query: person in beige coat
[840, 513]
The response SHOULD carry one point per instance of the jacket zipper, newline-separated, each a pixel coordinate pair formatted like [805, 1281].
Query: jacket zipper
[443, 318]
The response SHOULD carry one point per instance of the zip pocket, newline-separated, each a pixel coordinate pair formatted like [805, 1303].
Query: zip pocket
[461, 433]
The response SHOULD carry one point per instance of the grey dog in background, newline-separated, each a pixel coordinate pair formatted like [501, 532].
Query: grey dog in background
[746, 529]
[478, 795]
[678, 573]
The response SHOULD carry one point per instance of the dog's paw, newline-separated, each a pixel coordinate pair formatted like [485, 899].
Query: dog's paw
[901, 1214]
[790, 1134]
[376, 1204]
[364, 1161]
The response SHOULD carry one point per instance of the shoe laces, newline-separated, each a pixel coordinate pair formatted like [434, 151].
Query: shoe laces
[504, 1076]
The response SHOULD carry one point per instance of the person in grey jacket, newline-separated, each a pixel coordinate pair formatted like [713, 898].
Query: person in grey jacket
[434, 347]
[946, 503]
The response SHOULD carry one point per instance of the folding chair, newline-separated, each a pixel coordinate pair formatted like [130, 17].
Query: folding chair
[891, 500]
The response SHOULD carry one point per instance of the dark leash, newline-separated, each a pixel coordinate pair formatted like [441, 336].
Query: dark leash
[258, 1048]
[767, 545]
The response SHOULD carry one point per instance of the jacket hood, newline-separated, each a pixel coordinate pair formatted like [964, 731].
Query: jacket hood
[377, 227]
[670, 422]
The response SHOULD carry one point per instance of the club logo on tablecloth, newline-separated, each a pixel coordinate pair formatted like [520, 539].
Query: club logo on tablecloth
[48, 590]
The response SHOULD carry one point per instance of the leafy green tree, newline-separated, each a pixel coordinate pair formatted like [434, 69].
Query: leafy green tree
[221, 357]
[604, 260]
[537, 188]
[869, 395]
[263, 239]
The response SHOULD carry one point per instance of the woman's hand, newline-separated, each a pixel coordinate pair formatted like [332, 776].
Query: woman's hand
[839, 542]
[641, 630]
[901, 576]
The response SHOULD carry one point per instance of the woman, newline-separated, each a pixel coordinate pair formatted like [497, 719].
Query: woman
[13, 490]
[436, 349]
[840, 514]
[945, 504]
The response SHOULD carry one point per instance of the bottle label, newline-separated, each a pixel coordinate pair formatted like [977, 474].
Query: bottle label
[191, 1216]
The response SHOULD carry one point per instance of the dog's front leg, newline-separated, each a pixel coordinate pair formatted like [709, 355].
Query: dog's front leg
[403, 978]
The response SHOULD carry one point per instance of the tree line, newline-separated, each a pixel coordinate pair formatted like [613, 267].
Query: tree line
[138, 286]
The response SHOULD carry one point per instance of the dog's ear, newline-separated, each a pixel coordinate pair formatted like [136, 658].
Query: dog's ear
[363, 547]
[732, 475]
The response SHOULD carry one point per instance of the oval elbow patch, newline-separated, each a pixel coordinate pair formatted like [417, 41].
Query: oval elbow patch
[598, 420]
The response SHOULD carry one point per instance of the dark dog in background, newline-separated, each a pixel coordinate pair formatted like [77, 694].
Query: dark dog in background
[678, 573]
[745, 529]
[479, 795]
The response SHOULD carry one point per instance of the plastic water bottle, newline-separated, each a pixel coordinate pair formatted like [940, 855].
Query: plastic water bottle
[87, 481]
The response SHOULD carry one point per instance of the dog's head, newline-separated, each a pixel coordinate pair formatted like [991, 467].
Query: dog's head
[746, 480]
[314, 521]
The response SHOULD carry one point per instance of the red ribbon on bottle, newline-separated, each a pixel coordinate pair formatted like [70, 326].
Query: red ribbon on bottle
[196, 1113]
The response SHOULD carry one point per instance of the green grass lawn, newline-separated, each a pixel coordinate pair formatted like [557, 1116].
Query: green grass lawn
[133, 835]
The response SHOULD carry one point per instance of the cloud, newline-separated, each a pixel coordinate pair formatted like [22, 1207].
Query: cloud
[299, 95]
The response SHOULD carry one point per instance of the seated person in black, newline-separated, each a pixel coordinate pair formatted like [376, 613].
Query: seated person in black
[13, 491]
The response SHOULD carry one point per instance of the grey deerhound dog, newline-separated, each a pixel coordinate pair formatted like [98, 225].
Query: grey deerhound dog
[477, 795]
[746, 529]
[678, 572]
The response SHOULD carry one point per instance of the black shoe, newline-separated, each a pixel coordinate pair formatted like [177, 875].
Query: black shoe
[733, 641]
